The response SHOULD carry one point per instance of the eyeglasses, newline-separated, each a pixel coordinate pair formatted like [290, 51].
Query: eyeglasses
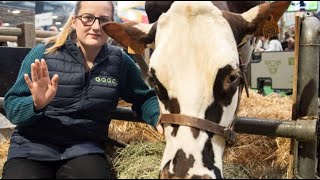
[89, 19]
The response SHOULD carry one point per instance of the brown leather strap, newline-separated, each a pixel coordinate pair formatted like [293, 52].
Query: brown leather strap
[201, 124]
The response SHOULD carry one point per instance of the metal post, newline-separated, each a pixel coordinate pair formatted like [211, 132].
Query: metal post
[305, 153]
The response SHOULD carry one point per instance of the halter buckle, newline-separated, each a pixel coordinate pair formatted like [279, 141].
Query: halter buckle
[230, 135]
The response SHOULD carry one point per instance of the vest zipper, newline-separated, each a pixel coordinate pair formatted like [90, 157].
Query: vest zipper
[84, 89]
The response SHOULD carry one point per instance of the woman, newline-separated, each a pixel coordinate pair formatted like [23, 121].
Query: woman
[274, 44]
[63, 111]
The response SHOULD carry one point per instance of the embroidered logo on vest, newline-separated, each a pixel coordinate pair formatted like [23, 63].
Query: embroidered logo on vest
[107, 80]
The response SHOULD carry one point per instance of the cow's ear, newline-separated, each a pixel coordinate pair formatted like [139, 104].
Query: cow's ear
[259, 20]
[263, 19]
[134, 36]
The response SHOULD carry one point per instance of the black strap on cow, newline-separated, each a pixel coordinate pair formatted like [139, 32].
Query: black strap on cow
[243, 69]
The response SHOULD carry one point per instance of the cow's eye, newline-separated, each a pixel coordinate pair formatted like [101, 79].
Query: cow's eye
[232, 80]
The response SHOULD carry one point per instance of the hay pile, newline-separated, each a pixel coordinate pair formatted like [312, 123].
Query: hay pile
[261, 156]
[4, 146]
[140, 160]
[129, 132]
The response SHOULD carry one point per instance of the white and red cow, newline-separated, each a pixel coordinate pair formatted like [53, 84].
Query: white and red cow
[196, 72]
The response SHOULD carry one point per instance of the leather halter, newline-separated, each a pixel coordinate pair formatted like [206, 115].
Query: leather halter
[198, 123]
[206, 125]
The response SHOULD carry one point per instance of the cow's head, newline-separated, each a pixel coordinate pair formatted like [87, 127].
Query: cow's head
[196, 72]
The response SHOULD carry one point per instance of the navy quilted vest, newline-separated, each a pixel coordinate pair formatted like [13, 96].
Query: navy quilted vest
[79, 115]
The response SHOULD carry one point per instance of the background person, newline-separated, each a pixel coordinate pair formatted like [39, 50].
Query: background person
[274, 44]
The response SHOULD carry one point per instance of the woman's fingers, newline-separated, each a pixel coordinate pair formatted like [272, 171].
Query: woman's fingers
[44, 68]
[54, 81]
[53, 88]
[28, 81]
[34, 74]
[160, 128]
[38, 67]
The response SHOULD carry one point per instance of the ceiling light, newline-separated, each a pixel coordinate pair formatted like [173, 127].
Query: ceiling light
[15, 12]
[6, 24]
[54, 17]
[58, 23]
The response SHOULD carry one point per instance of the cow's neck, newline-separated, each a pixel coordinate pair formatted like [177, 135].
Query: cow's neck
[190, 153]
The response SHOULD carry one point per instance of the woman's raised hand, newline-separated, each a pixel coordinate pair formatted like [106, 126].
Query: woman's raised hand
[42, 88]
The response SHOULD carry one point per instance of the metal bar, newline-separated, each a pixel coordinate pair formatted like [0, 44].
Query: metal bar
[302, 130]
[305, 153]
[310, 44]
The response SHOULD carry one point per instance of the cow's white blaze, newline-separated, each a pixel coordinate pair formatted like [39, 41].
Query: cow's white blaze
[193, 42]
[228, 111]
[189, 51]
[190, 148]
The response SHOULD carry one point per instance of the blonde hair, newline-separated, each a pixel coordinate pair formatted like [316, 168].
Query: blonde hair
[62, 37]
[67, 29]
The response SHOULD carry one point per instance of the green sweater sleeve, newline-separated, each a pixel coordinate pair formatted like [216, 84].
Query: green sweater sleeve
[18, 102]
[134, 90]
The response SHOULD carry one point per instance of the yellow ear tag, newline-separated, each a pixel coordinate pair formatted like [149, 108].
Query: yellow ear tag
[136, 48]
[270, 28]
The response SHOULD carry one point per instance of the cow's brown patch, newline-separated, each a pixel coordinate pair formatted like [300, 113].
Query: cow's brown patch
[238, 25]
[214, 112]
[206, 176]
[175, 130]
[182, 164]
[129, 36]
[226, 84]
[172, 104]
[208, 159]
[242, 6]
[195, 132]
[165, 174]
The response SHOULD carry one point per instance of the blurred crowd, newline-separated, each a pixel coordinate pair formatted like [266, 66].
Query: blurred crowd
[275, 44]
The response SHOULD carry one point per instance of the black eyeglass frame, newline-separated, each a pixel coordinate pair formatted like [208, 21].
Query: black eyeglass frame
[95, 18]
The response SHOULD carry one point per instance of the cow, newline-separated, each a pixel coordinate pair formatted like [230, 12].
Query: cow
[197, 74]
